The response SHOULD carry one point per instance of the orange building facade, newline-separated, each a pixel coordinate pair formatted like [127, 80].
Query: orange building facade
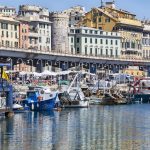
[24, 35]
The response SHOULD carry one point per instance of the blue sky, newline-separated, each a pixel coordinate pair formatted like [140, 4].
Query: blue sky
[140, 7]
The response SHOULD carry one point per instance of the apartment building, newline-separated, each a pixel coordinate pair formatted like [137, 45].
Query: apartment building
[94, 42]
[9, 32]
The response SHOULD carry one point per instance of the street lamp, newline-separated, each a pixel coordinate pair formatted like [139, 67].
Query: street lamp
[11, 63]
[18, 61]
[48, 63]
[40, 64]
[28, 62]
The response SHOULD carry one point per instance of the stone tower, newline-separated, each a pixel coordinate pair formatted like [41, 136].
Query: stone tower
[60, 39]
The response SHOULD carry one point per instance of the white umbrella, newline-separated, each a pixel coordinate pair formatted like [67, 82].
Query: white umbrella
[48, 73]
[11, 71]
[36, 74]
[23, 73]
[64, 72]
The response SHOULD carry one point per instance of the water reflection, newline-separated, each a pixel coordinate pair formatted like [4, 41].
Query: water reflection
[96, 128]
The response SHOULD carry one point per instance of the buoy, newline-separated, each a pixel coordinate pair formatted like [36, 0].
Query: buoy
[9, 114]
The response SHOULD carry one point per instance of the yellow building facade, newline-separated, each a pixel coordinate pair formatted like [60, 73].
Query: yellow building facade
[109, 18]
[146, 40]
[135, 72]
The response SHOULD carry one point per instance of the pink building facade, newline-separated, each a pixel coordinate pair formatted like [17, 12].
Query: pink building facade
[24, 35]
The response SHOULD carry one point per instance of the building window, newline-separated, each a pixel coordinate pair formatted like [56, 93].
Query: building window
[40, 40]
[78, 50]
[127, 44]
[47, 40]
[71, 31]
[15, 27]
[95, 51]
[85, 50]
[78, 40]
[111, 42]
[106, 52]
[101, 41]
[16, 44]
[7, 43]
[16, 35]
[101, 32]
[122, 44]
[91, 31]
[2, 43]
[4, 26]
[116, 42]
[111, 52]
[86, 31]
[71, 40]
[2, 33]
[96, 32]
[30, 41]
[48, 48]
[90, 40]
[116, 52]
[106, 42]
[133, 45]
[85, 40]
[91, 51]
[71, 50]
[95, 41]
[101, 51]
[77, 31]
[107, 19]
[94, 20]
[100, 20]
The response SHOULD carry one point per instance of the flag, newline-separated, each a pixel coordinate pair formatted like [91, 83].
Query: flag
[5, 76]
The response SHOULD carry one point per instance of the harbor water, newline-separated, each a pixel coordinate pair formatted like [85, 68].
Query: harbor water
[125, 127]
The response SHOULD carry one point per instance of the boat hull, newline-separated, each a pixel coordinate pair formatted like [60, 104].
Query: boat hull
[42, 105]
[80, 104]
[142, 98]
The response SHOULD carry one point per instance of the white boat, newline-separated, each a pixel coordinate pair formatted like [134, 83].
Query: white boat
[72, 96]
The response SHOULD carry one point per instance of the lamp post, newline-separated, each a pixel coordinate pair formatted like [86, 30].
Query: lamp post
[18, 60]
[11, 64]
[40, 64]
[28, 62]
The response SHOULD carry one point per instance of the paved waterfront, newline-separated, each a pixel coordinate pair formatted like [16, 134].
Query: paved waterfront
[96, 128]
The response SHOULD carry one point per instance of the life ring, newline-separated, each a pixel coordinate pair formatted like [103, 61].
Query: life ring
[42, 92]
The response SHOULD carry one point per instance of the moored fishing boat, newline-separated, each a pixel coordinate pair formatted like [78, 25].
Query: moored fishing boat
[72, 96]
[141, 90]
[41, 99]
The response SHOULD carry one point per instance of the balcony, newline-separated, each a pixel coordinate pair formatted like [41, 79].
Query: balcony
[131, 57]
[133, 50]
[33, 34]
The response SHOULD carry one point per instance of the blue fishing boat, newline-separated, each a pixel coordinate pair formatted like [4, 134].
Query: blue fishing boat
[41, 99]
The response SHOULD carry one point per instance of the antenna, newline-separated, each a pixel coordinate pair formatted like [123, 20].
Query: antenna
[101, 3]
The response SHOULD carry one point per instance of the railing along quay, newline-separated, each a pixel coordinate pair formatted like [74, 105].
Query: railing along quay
[55, 53]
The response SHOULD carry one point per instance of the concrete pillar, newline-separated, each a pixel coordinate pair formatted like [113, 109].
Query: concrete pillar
[9, 98]
[148, 71]
[93, 68]
[64, 67]
[39, 66]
